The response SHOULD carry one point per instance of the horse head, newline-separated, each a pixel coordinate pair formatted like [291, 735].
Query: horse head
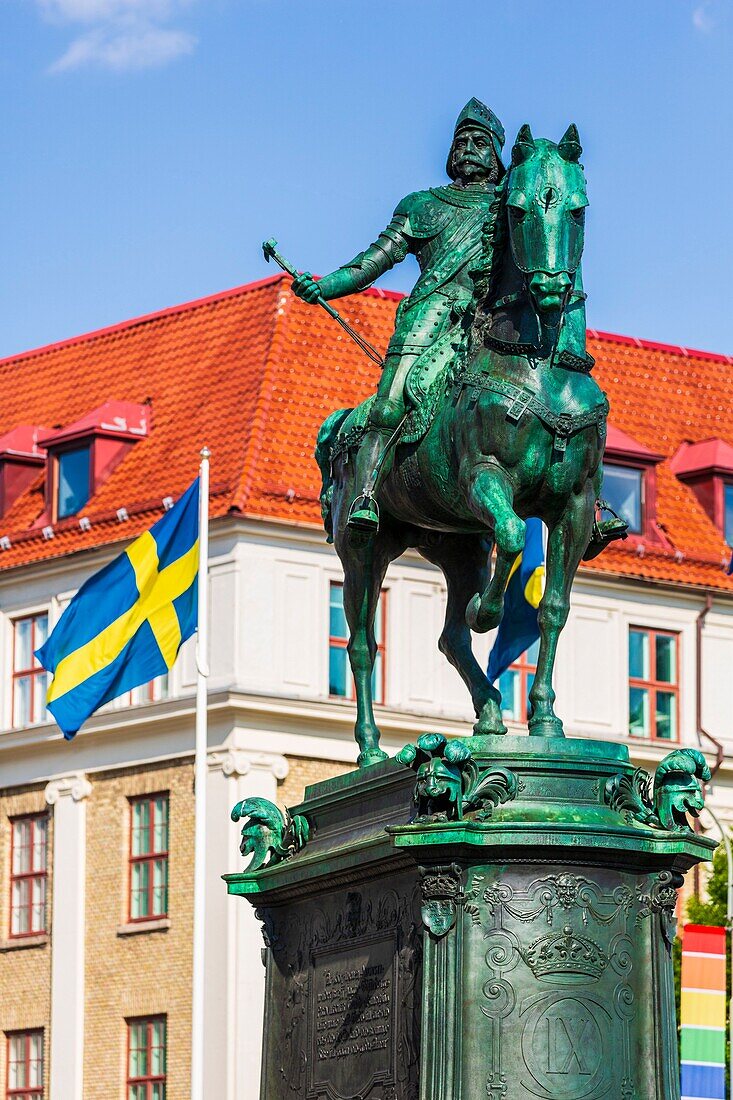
[546, 200]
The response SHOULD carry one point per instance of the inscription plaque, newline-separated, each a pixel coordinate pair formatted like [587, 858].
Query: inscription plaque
[352, 1019]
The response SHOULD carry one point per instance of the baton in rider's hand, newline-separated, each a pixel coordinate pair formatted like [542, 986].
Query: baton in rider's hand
[269, 249]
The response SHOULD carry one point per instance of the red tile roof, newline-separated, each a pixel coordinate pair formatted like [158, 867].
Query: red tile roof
[252, 372]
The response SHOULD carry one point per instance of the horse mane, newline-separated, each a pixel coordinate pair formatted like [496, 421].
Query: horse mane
[488, 272]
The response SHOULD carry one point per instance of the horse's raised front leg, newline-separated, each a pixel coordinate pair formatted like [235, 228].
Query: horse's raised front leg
[464, 561]
[491, 499]
[566, 545]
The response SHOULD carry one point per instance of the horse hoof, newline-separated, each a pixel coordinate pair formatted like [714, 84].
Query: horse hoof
[480, 619]
[545, 727]
[369, 757]
[486, 728]
[473, 613]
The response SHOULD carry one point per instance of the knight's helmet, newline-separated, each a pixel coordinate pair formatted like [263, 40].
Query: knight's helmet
[476, 113]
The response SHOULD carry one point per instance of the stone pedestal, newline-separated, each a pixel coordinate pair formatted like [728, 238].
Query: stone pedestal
[519, 950]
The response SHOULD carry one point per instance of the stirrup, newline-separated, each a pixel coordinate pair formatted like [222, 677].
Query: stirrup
[365, 518]
[605, 531]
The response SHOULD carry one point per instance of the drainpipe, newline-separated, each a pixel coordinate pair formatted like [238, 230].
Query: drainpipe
[699, 728]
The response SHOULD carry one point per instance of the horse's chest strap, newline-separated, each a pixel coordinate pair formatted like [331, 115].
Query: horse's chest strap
[522, 400]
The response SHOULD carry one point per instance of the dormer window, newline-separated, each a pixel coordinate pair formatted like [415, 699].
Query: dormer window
[630, 483]
[84, 454]
[623, 489]
[707, 467]
[73, 481]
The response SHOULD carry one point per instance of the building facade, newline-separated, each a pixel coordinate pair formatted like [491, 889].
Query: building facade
[97, 436]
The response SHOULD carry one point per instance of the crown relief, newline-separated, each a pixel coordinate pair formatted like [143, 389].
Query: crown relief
[565, 958]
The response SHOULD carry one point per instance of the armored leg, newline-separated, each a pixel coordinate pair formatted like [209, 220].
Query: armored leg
[383, 430]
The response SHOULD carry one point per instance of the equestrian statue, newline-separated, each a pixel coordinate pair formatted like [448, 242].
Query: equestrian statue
[486, 413]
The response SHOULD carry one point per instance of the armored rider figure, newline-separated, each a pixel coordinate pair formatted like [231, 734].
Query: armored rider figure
[444, 227]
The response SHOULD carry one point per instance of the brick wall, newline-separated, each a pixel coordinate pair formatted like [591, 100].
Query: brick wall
[149, 972]
[303, 771]
[25, 971]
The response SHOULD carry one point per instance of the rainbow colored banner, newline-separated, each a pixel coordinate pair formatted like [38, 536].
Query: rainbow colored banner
[703, 1013]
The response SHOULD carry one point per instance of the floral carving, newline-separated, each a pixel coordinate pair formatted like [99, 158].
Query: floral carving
[565, 892]
[269, 834]
[450, 783]
[665, 801]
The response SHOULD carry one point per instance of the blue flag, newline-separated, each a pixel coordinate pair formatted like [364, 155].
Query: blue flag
[518, 629]
[127, 623]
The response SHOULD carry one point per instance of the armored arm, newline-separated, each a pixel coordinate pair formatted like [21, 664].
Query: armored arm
[390, 248]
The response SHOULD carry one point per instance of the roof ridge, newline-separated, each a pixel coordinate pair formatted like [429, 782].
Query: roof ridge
[654, 345]
[143, 319]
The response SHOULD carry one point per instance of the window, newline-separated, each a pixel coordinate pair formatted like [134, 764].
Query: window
[151, 692]
[25, 1065]
[515, 683]
[148, 858]
[653, 684]
[728, 513]
[622, 488]
[340, 681]
[28, 870]
[29, 679]
[146, 1058]
[73, 481]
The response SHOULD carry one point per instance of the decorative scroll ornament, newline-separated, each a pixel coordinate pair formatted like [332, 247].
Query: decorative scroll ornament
[665, 802]
[450, 783]
[270, 834]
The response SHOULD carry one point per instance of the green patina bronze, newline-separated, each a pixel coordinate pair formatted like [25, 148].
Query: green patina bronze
[498, 926]
[488, 918]
[486, 413]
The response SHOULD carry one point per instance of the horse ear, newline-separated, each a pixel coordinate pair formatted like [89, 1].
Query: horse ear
[569, 145]
[524, 145]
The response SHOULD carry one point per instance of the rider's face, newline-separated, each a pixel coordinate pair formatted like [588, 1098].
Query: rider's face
[473, 155]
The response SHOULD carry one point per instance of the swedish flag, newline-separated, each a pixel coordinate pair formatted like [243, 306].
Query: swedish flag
[518, 629]
[127, 623]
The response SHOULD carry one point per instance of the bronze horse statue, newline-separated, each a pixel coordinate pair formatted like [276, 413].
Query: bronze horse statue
[519, 431]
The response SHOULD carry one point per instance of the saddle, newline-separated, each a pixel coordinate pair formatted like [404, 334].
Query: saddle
[427, 381]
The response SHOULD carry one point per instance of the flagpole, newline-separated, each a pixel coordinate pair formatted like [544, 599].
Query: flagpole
[200, 770]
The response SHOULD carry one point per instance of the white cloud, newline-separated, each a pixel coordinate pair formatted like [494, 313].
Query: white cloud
[703, 17]
[121, 50]
[119, 35]
[96, 11]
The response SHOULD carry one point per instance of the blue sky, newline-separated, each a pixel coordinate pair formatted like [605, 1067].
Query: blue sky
[148, 146]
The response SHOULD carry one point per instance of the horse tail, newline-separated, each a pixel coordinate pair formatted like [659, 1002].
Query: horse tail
[324, 448]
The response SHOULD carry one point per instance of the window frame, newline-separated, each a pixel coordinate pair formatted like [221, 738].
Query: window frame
[148, 857]
[55, 454]
[149, 1079]
[42, 815]
[652, 685]
[30, 1090]
[525, 669]
[33, 671]
[342, 643]
[726, 483]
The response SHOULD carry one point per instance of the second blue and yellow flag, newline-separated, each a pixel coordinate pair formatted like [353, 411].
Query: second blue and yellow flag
[518, 629]
[126, 624]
